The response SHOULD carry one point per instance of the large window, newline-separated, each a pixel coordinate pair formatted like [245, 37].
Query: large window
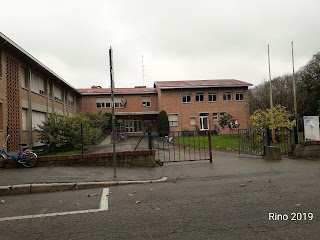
[23, 78]
[173, 120]
[146, 102]
[71, 99]
[37, 84]
[239, 96]
[199, 97]
[37, 119]
[186, 97]
[107, 103]
[212, 96]
[227, 96]
[57, 94]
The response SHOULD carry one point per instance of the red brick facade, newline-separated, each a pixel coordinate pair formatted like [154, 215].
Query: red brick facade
[190, 105]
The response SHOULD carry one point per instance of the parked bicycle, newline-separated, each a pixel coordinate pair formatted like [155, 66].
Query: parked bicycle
[25, 156]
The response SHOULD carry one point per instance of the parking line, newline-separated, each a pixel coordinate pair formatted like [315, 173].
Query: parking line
[103, 207]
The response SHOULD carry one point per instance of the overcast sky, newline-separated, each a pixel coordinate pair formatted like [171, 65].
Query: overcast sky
[179, 39]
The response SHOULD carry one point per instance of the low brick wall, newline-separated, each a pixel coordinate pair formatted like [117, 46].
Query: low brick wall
[124, 159]
[309, 149]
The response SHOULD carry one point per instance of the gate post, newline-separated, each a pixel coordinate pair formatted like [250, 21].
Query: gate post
[209, 142]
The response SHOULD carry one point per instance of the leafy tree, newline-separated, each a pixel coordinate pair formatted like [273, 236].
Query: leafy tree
[163, 124]
[225, 121]
[281, 118]
[62, 133]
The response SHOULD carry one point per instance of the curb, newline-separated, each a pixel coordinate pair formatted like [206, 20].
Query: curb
[56, 187]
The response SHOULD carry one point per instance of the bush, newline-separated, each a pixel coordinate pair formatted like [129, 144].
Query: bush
[61, 133]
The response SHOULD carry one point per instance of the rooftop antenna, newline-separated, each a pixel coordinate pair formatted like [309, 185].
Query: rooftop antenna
[142, 71]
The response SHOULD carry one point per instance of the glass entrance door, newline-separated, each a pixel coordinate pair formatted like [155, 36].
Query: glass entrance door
[204, 123]
[133, 126]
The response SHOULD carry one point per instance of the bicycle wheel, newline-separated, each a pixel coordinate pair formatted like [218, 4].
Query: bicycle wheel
[30, 160]
[2, 159]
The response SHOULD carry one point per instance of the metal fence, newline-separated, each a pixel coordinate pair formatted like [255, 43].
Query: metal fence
[182, 146]
[253, 141]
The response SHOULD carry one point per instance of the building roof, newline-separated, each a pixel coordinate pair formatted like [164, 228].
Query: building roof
[201, 83]
[99, 90]
[11, 45]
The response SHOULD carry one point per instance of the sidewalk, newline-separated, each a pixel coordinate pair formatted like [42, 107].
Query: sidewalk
[225, 164]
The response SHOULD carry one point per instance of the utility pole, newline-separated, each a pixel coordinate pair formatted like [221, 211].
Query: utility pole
[113, 117]
[271, 100]
[294, 96]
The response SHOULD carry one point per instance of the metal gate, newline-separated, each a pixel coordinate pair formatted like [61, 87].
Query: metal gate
[253, 141]
[183, 146]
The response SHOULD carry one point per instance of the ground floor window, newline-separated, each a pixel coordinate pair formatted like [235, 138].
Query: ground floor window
[173, 120]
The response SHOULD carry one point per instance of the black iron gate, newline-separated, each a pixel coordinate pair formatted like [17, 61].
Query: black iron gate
[253, 141]
[183, 146]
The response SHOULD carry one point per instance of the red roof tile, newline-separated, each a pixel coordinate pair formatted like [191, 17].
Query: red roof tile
[201, 83]
[116, 90]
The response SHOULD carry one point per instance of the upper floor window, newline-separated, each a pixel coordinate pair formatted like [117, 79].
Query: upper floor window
[37, 84]
[239, 96]
[186, 97]
[146, 102]
[71, 100]
[107, 103]
[58, 94]
[227, 96]
[199, 97]
[212, 96]
[23, 78]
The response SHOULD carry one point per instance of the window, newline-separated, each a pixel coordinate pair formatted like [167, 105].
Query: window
[215, 116]
[57, 94]
[37, 84]
[227, 96]
[146, 102]
[23, 77]
[239, 96]
[24, 119]
[186, 97]
[199, 97]
[37, 119]
[70, 100]
[193, 121]
[173, 120]
[212, 96]
[107, 103]
[222, 114]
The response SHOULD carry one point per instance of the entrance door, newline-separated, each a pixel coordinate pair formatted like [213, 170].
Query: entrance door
[204, 123]
[133, 126]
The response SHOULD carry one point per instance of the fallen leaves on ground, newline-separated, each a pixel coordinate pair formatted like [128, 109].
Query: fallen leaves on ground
[242, 185]
[3, 201]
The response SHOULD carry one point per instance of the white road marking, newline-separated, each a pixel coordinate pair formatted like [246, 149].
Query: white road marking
[103, 207]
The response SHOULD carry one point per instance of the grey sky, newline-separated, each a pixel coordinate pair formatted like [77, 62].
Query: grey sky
[179, 39]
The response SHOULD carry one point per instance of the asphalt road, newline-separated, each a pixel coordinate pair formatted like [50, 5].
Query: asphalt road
[230, 206]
